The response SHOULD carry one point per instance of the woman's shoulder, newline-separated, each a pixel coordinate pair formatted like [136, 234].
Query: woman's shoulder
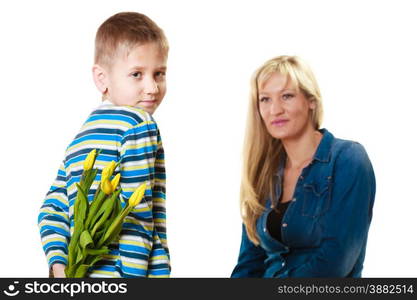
[351, 162]
[349, 152]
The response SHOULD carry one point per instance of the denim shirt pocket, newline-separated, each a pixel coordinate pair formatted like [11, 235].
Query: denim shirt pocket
[316, 197]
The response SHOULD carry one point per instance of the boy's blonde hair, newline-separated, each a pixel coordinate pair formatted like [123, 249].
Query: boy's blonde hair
[262, 152]
[127, 30]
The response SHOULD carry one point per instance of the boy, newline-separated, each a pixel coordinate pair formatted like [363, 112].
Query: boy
[129, 70]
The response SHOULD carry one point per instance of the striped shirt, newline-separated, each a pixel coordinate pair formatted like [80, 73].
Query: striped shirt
[131, 136]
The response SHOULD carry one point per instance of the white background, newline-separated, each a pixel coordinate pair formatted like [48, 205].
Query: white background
[362, 52]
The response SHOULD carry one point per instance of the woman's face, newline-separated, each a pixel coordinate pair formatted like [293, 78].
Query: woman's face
[284, 110]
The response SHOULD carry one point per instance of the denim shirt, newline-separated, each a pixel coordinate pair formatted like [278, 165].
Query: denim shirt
[324, 230]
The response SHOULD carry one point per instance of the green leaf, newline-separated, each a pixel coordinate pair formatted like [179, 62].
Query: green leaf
[100, 212]
[79, 254]
[116, 209]
[70, 271]
[96, 218]
[94, 207]
[102, 250]
[72, 248]
[81, 212]
[96, 193]
[107, 207]
[113, 231]
[89, 177]
[115, 227]
[96, 259]
[81, 271]
[99, 234]
[85, 239]
[116, 212]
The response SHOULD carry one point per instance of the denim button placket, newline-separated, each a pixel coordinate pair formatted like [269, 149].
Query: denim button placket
[267, 241]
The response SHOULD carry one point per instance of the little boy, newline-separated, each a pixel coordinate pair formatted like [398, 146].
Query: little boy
[129, 70]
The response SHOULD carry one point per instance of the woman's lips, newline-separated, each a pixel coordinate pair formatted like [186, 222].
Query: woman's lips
[279, 122]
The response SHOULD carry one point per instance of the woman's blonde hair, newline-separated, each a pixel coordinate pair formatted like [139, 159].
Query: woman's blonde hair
[262, 152]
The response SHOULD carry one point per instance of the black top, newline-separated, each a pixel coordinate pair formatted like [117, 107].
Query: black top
[274, 221]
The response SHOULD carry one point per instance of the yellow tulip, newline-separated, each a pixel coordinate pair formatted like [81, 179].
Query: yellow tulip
[108, 170]
[89, 161]
[106, 187]
[115, 181]
[137, 195]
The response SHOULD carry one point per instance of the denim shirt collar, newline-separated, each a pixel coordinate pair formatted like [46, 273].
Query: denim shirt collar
[322, 153]
[323, 150]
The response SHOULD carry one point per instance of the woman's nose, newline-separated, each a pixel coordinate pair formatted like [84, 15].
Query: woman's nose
[276, 107]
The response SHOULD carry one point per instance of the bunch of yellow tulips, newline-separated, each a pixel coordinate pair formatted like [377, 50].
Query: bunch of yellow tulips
[98, 223]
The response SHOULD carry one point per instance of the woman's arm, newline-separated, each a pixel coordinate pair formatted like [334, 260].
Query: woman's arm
[251, 259]
[346, 224]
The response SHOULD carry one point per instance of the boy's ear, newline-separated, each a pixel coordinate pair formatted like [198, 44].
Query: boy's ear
[100, 78]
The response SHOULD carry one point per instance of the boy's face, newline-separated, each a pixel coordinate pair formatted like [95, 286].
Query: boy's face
[137, 78]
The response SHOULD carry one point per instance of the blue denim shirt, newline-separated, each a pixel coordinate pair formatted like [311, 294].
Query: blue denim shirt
[325, 228]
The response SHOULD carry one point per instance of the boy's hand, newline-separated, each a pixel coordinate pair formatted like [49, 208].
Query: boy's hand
[58, 270]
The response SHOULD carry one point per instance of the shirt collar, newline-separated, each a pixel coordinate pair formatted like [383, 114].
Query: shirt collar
[106, 102]
[322, 153]
[323, 150]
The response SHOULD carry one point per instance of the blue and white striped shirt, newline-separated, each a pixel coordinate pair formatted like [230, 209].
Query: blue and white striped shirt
[131, 136]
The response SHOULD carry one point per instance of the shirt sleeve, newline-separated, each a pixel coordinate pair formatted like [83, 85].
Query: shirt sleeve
[159, 264]
[159, 196]
[347, 222]
[139, 164]
[251, 259]
[53, 221]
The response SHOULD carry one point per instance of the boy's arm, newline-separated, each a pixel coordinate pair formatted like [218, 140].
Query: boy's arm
[58, 271]
[138, 164]
[159, 264]
[158, 196]
[53, 222]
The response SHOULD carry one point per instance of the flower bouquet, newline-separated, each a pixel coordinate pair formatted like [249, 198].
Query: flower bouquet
[96, 224]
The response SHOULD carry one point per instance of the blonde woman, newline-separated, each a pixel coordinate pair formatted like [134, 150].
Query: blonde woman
[306, 196]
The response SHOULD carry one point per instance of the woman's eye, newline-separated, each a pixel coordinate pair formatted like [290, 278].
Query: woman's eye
[137, 74]
[264, 99]
[287, 96]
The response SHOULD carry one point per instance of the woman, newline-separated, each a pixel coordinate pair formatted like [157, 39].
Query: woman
[306, 196]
